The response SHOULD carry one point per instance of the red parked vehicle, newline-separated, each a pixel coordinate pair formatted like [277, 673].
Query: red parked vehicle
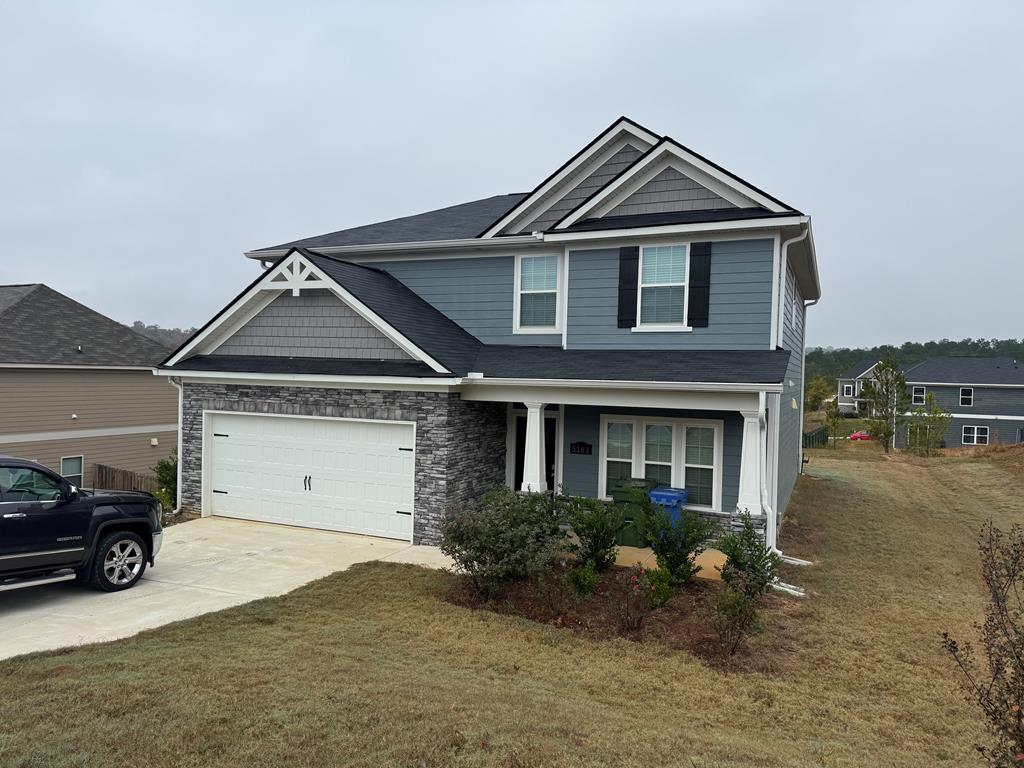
[861, 434]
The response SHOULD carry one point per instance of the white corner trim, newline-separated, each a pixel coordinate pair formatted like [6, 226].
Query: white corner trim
[78, 434]
[773, 340]
[595, 147]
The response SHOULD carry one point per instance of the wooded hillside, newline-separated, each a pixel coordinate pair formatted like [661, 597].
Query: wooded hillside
[831, 362]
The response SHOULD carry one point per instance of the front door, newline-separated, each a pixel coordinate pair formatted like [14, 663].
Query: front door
[550, 456]
[38, 526]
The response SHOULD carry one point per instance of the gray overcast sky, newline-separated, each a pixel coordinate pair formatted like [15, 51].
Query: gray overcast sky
[144, 146]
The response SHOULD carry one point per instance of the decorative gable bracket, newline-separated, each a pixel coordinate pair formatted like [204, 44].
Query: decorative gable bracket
[296, 274]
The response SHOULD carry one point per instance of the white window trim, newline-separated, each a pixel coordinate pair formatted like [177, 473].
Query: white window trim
[640, 423]
[977, 433]
[971, 396]
[642, 327]
[559, 295]
[81, 475]
[914, 396]
[847, 390]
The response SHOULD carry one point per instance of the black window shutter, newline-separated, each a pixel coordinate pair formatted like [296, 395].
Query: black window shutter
[629, 266]
[700, 285]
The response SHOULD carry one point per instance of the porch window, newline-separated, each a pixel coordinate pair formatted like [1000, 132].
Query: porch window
[699, 463]
[658, 453]
[662, 286]
[537, 293]
[619, 454]
[975, 436]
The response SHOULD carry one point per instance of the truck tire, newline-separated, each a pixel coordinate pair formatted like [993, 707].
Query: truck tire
[119, 562]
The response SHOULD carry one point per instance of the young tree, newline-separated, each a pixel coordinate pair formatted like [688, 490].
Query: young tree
[886, 398]
[926, 428]
[818, 389]
[833, 422]
[996, 685]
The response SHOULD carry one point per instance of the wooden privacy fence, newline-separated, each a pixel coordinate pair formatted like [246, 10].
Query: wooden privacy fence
[816, 438]
[114, 479]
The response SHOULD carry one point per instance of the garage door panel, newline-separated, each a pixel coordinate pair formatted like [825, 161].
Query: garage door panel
[359, 478]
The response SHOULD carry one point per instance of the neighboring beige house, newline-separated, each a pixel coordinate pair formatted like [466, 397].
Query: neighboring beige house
[77, 388]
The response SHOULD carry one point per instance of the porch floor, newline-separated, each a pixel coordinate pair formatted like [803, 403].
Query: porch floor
[707, 560]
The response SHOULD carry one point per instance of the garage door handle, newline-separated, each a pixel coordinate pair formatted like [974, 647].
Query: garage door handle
[305, 482]
[405, 449]
[400, 512]
[10, 515]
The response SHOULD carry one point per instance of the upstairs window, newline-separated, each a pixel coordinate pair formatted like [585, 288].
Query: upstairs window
[847, 390]
[967, 396]
[537, 294]
[662, 288]
[917, 396]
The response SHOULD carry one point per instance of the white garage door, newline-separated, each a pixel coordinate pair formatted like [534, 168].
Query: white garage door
[342, 475]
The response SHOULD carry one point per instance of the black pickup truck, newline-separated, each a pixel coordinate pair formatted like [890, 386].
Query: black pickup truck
[52, 531]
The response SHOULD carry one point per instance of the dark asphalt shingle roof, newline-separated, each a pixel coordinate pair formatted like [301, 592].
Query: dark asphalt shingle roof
[967, 370]
[456, 222]
[307, 365]
[674, 217]
[43, 327]
[859, 368]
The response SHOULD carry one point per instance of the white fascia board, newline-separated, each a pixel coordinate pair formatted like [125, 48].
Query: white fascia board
[311, 380]
[596, 146]
[421, 245]
[611, 394]
[674, 386]
[47, 367]
[715, 179]
[962, 384]
[671, 229]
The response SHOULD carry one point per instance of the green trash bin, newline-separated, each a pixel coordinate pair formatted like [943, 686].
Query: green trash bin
[630, 536]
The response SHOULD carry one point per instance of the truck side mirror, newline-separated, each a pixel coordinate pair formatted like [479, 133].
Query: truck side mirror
[70, 492]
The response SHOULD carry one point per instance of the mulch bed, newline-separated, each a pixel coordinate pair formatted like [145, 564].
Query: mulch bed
[685, 622]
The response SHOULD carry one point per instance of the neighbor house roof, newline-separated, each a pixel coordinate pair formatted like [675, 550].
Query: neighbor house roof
[862, 367]
[456, 222]
[967, 370]
[42, 327]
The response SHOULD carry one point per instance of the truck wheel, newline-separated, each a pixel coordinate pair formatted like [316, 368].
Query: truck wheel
[119, 562]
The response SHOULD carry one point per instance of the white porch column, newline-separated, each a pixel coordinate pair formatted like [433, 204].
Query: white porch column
[534, 476]
[749, 499]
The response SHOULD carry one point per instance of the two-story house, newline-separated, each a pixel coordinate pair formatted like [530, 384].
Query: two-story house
[851, 385]
[984, 395]
[638, 314]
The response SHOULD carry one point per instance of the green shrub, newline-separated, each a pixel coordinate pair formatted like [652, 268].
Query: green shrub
[751, 566]
[735, 618]
[503, 537]
[166, 471]
[676, 541]
[660, 581]
[584, 578]
[632, 604]
[597, 524]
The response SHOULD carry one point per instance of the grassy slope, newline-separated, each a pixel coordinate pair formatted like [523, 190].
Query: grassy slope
[371, 667]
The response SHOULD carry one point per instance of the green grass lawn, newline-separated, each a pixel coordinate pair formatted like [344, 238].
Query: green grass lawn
[372, 667]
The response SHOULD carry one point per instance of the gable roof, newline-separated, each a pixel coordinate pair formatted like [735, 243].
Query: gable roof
[966, 370]
[862, 367]
[42, 327]
[456, 222]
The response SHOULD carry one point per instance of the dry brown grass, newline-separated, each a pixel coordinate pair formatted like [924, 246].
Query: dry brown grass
[372, 667]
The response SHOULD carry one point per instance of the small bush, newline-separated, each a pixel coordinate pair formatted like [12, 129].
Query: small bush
[661, 587]
[676, 541]
[166, 471]
[735, 618]
[597, 524]
[503, 537]
[632, 604]
[584, 579]
[750, 566]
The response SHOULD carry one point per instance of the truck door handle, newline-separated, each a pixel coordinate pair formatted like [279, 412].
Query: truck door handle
[9, 515]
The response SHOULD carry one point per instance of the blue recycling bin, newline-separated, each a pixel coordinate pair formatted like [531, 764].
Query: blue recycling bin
[672, 500]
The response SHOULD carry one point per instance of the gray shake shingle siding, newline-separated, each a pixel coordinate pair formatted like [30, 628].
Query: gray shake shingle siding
[670, 191]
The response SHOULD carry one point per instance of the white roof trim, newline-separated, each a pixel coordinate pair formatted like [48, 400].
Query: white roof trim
[421, 245]
[58, 367]
[675, 229]
[960, 384]
[669, 153]
[311, 378]
[596, 146]
[686, 386]
[296, 272]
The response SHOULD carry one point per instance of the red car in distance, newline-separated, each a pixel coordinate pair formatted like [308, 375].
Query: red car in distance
[861, 434]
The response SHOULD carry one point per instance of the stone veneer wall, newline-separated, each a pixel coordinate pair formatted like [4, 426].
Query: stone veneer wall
[460, 445]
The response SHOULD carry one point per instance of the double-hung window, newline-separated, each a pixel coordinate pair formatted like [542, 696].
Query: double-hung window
[658, 440]
[662, 288]
[917, 396]
[967, 396]
[618, 454]
[847, 390]
[699, 462]
[71, 469]
[975, 436]
[537, 294]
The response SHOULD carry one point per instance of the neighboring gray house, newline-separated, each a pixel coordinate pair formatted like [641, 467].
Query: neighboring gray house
[985, 396]
[640, 313]
[851, 384]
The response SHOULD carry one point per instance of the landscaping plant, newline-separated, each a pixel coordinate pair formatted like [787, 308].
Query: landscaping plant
[503, 537]
[750, 568]
[584, 578]
[996, 685]
[166, 471]
[675, 539]
[632, 604]
[660, 592]
[597, 524]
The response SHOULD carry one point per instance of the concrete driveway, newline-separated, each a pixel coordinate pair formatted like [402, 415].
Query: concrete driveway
[205, 565]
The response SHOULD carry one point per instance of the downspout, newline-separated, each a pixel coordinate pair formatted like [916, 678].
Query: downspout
[181, 396]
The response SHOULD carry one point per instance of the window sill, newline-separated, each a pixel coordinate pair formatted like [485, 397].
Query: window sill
[661, 329]
[537, 331]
